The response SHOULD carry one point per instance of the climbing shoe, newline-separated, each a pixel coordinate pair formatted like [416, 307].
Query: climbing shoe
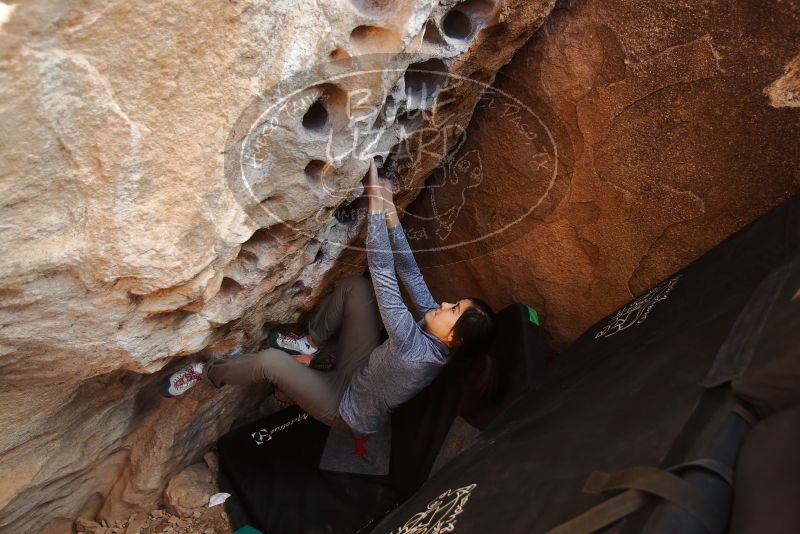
[288, 341]
[182, 380]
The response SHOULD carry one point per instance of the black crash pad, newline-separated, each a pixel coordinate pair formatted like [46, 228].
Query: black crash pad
[271, 466]
[620, 397]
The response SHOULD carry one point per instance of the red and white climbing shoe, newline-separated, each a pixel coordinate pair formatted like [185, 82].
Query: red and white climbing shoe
[290, 342]
[182, 380]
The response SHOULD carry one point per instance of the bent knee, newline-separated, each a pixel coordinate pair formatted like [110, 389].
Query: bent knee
[356, 283]
[267, 356]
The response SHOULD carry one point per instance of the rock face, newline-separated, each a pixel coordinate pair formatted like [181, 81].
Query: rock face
[125, 245]
[642, 134]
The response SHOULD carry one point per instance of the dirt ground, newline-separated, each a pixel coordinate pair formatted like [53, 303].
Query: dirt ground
[202, 521]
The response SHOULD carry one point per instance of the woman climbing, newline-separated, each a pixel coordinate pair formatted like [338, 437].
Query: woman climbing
[370, 378]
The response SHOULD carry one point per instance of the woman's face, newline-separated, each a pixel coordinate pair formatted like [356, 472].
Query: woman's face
[440, 321]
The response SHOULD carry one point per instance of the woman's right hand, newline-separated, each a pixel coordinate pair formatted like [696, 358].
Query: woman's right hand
[373, 190]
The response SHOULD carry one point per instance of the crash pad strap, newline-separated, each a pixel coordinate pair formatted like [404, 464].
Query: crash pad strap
[709, 464]
[745, 414]
[604, 514]
[641, 483]
[660, 483]
[710, 402]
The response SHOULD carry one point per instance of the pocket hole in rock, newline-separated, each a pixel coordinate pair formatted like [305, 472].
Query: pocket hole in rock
[338, 54]
[317, 171]
[327, 110]
[260, 238]
[265, 238]
[463, 21]
[457, 25]
[247, 259]
[228, 288]
[423, 81]
[374, 40]
[316, 117]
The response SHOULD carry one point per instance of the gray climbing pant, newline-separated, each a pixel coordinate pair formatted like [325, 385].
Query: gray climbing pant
[351, 311]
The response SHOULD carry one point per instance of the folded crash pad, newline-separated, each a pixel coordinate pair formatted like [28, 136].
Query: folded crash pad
[626, 394]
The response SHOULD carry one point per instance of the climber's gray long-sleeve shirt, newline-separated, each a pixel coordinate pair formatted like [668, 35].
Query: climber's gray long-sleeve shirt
[411, 358]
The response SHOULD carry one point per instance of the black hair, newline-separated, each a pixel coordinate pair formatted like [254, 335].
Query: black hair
[474, 330]
[474, 334]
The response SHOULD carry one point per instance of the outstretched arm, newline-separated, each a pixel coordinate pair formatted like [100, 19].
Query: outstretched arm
[407, 268]
[400, 324]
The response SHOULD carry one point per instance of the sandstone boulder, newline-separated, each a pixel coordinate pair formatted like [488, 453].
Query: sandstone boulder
[125, 247]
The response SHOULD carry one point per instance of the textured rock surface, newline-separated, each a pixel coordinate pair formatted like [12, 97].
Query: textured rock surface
[189, 489]
[673, 124]
[122, 247]
[785, 91]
